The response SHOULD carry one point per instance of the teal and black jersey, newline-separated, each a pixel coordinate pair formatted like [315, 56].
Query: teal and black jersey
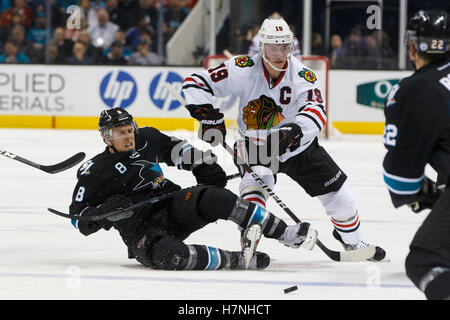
[417, 131]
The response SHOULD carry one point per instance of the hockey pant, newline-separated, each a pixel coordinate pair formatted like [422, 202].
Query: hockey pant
[428, 262]
[317, 173]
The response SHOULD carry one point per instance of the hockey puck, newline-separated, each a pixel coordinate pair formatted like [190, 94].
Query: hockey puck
[290, 289]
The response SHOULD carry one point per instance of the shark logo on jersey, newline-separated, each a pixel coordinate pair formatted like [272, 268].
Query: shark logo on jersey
[84, 169]
[262, 113]
[390, 101]
[151, 175]
[308, 75]
[244, 61]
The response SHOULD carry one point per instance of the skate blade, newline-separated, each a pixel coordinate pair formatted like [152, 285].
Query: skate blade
[252, 236]
[311, 239]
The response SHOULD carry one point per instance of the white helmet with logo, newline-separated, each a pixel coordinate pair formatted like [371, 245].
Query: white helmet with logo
[275, 31]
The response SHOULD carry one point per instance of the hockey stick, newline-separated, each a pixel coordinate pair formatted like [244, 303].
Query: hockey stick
[115, 212]
[354, 255]
[64, 165]
[135, 206]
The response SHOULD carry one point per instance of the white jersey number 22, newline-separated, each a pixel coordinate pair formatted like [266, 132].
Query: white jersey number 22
[390, 134]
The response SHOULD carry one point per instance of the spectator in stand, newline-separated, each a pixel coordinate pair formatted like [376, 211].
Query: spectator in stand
[58, 14]
[144, 8]
[12, 54]
[174, 15]
[20, 7]
[79, 55]
[144, 56]
[336, 47]
[37, 36]
[126, 51]
[380, 53]
[64, 4]
[18, 36]
[92, 52]
[6, 30]
[354, 51]
[64, 45]
[102, 34]
[55, 56]
[116, 13]
[88, 13]
[142, 27]
[317, 44]
[114, 56]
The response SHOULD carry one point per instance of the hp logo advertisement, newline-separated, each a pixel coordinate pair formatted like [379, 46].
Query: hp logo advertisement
[159, 94]
[118, 89]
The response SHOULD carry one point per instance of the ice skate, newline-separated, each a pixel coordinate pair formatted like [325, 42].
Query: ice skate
[379, 256]
[299, 235]
[258, 261]
[249, 241]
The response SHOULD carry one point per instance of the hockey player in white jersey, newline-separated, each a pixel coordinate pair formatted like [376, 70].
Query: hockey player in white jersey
[281, 113]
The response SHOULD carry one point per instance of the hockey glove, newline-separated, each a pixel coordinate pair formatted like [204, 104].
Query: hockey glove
[212, 124]
[427, 196]
[210, 174]
[115, 203]
[288, 137]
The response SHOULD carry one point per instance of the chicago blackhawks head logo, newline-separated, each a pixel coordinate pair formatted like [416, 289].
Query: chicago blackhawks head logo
[262, 113]
[308, 75]
[244, 61]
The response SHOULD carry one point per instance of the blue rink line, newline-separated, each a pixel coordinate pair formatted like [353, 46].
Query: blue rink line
[225, 281]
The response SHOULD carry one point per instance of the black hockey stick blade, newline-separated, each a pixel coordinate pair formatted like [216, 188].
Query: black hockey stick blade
[64, 165]
[87, 218]
[115, 212]
[232, 176]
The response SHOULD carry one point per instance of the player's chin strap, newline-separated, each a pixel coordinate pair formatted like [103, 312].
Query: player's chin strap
[272, 66]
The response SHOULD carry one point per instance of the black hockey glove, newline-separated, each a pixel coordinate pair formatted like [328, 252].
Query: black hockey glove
[427, 196]
[212, 123]
[288, 137]
[210, 174]
[115, 203]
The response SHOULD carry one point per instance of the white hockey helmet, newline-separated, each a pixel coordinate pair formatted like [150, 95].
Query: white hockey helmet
[275, 31]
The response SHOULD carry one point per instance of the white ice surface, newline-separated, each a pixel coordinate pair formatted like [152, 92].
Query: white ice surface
[42, 256]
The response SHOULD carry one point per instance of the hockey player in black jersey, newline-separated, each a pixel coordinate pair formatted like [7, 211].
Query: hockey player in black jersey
[417, 132]
[128, 172]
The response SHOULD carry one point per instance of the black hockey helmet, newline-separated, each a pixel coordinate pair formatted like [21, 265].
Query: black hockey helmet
[112, 118]
[429, 30]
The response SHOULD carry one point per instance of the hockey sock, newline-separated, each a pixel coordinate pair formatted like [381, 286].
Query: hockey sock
[207, 258]
[245, 213]
[255, 197]
[348, 228]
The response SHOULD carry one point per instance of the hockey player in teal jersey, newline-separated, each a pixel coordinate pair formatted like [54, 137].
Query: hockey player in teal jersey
[417, 133]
